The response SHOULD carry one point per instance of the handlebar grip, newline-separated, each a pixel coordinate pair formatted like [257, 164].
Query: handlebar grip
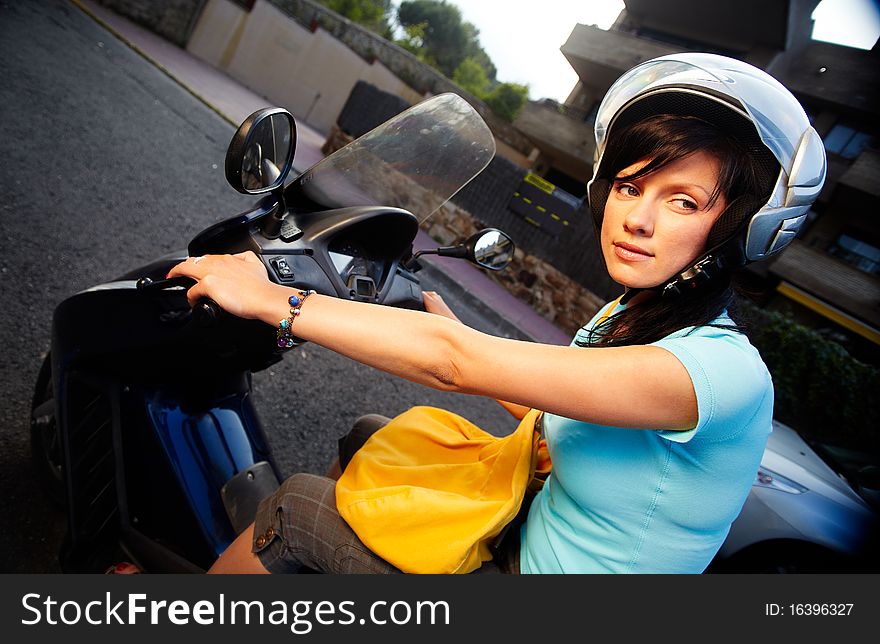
[207, 312]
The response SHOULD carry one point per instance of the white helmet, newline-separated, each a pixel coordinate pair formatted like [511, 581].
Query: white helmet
[756, 110]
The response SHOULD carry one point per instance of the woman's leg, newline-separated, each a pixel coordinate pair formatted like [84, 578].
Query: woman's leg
[299, 526]
[239, 557]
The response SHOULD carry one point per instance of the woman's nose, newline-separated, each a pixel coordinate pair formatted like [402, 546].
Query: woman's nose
[639, 219]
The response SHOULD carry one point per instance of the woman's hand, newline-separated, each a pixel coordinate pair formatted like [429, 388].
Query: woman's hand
[238, 283]
[435, 304]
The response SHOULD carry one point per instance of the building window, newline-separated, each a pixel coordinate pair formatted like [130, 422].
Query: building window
[846, 141]
[861, 254]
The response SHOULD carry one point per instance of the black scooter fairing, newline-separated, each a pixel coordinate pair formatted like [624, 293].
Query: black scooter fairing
[158, 418]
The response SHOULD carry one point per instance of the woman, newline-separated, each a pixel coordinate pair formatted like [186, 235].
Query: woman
[657, 415]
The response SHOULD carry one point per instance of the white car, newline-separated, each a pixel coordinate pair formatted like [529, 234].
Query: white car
[811, 509]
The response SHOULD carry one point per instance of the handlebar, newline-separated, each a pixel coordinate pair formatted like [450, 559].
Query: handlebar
[206, 312]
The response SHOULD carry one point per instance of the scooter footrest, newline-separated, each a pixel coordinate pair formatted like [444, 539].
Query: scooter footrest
[243, 492]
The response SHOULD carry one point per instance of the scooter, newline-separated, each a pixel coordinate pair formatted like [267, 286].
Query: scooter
[143, 423]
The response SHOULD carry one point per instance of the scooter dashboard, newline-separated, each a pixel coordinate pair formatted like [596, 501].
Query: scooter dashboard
[352, 253]
[350, 259]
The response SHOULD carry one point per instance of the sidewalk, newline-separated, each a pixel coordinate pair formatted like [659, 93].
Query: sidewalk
[234, 103]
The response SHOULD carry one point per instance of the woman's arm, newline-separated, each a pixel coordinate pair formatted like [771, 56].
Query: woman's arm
[639, 386]
[435, 304]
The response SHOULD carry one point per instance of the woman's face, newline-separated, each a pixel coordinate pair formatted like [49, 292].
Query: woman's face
[656, 225]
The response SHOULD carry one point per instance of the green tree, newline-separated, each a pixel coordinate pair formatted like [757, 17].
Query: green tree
[372, 14]
[413, 39]
[435, 32]
[476, 52]
[446, 40]
[507, 99]
[471, 76]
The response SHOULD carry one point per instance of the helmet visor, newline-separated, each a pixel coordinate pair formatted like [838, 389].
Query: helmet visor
[777, 116]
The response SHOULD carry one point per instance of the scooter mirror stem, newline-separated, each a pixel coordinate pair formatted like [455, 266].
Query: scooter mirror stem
[271, 228]
[446, 251]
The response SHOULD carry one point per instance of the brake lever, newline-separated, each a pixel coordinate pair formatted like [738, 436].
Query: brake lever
[147, 284]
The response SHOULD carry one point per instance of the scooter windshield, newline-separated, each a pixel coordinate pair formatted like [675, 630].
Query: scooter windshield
[416, 161]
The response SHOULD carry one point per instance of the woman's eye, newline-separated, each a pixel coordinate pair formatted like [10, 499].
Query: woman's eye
[687, 204]
[627, 190]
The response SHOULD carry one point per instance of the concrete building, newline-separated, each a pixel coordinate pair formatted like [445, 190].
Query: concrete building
[830, 276]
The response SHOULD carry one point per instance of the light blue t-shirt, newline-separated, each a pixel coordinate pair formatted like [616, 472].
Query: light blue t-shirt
[653, 501]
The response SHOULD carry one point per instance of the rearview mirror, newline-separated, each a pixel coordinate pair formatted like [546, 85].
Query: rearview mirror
[490, 248]
[260, 154]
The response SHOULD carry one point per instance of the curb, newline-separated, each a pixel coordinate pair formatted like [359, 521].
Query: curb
[128, 43]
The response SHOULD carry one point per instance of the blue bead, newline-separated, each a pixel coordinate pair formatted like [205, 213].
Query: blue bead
[284, 324]
[293, 300]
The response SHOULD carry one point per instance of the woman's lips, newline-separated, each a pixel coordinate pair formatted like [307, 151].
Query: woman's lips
[631, 253]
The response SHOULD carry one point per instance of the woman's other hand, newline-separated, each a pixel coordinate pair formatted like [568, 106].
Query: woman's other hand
[435, 304]
[238, 283]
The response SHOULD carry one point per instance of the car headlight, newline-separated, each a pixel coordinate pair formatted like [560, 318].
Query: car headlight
[770, 479]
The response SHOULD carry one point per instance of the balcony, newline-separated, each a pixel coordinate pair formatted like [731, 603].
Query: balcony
[569, 141]
[738, 26]
[844, 287]
[600, 56]
[864, 174]
[835, 75]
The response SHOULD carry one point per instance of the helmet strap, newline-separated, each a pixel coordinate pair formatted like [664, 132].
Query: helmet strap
[700, 273]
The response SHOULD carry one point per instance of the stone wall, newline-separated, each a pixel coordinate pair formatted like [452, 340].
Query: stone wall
[171, 19]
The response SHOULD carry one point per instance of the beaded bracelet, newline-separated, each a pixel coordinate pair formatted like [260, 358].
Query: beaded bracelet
[286, 339]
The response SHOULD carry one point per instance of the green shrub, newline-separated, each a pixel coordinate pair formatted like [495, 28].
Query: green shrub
[821, 390]
[507, 100]
[471, 76]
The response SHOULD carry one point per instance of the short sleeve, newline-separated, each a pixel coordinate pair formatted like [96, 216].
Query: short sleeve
[730, 380]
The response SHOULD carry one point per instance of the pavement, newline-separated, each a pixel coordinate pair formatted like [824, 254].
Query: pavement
[234, 102]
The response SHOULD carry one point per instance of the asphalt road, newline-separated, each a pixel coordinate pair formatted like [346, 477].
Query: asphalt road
[108, 163]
